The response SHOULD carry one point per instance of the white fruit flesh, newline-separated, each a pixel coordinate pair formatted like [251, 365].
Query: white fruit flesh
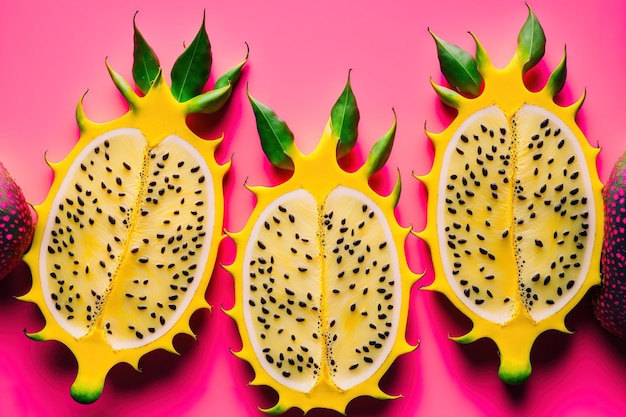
[516, 210]
[127, 238]
[320, 289]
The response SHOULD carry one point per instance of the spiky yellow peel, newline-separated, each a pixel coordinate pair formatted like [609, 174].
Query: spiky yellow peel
[128, 234]
[515, 207]
[321, 282]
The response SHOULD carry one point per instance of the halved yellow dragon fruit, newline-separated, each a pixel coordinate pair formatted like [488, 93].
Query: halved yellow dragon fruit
[129, 232]
[322, 284]
[515, 207]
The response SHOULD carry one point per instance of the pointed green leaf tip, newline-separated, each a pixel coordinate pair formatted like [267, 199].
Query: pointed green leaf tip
[213, 100]
[556, 82]
[344, 120]
[379, 154]
[146, 65]
[191, 70]
[276, 138]
[233, 74]
[531, 42]
[458, 67]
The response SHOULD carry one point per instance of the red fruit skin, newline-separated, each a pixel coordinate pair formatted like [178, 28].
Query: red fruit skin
[16, 223]
[610, 304]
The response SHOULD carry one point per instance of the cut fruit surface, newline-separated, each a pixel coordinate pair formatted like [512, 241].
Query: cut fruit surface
[122, 210]
[329, 319]
[515, 202]
[130, 229]
[524, 202]
[322, 286]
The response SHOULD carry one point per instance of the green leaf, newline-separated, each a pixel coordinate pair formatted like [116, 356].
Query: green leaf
[191, 70]
[458, 67]
[344, 120]
[446, 95]
[556, 82]
[379, 154]
[145, 62]
[531, 42]
[232, 76]
[276, 138]
[209, 102]
[124, 88]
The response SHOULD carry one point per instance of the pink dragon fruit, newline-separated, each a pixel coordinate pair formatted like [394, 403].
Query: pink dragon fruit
[610, 305]
[16, 223]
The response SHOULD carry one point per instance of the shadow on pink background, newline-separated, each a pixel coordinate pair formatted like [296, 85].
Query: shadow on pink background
[300, 55]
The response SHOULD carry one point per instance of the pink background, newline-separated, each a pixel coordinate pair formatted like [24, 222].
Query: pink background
[301, 51]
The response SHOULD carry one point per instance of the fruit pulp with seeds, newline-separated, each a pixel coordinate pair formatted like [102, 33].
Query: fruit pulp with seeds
[321, 277]
[494, 213]
[145, 230]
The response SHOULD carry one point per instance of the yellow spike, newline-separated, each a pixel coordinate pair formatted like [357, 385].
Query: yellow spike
[447, 95]
[394, 195]
[575, 107]
[436, 138]
[254, 189]
[48, 162]
[83, 121]
[123, 87]
[483, 62]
